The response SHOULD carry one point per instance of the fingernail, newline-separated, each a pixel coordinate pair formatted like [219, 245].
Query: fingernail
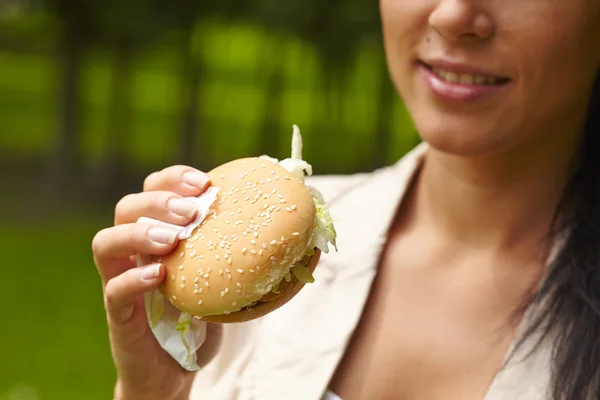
[197, 179]
[150, 272]
[162, 235]
[182, 207]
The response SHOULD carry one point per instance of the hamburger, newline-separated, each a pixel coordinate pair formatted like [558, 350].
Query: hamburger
[255, 244]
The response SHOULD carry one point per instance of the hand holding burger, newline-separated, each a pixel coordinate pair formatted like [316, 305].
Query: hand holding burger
[258, 237]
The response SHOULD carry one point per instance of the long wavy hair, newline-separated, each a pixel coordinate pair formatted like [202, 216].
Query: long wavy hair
[569, 296]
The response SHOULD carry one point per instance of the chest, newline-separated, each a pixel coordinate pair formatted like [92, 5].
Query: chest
[428, 331]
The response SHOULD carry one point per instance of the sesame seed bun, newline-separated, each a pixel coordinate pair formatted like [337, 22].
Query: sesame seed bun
[260, 226]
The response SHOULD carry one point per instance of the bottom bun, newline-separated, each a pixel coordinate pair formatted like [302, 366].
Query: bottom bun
[270, 302]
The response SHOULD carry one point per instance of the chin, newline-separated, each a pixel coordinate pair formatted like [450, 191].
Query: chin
[463, 137]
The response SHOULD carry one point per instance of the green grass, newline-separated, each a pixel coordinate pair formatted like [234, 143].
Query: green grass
[54, 336]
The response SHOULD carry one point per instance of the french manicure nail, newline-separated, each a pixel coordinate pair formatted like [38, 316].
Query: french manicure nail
[162, 235]
[197, 179]
[150, 272]
[182, 207]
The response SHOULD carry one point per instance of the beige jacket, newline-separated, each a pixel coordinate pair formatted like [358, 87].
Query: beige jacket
[292, 353]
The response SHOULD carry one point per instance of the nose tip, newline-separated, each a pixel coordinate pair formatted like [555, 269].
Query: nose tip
[458, 20]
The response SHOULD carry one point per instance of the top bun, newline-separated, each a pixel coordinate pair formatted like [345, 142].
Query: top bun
[260, 226]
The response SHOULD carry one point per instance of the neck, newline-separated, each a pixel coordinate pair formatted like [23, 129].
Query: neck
[501, 201]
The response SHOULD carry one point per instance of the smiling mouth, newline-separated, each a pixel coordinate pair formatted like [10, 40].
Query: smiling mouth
[466, 78]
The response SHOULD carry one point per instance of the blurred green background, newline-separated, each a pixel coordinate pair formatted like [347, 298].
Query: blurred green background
[94, 95]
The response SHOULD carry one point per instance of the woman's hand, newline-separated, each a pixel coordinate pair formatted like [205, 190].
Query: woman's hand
[144, 369]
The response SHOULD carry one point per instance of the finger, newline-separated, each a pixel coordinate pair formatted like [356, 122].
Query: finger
[180, 179]
[121, 291]
[164, 206]
[113, 245]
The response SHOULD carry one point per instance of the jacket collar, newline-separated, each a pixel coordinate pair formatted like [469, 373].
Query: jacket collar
[301, 344]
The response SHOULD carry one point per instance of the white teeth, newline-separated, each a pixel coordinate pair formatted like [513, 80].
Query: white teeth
[465, 79]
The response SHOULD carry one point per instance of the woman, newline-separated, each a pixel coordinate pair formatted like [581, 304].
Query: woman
[468, 270]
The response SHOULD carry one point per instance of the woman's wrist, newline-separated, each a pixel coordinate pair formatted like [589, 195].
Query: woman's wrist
[123, 393]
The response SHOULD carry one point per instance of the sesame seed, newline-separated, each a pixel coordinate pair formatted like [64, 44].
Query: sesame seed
[227, 222]
[229, 276]
[201, 256]
[260, 252]
[282, 238]
[220, 271]
[206, 284]
[261, 182]
[238, 285]
[199, 302]
[282, 200]
[205, 276]
[195, 291]
[264, 245]
[278, 208]
[269, 180]
[255, 234]
[286, 177]
[215, 230]
[182, 286]
[288, 209]
[209, 269]
[244, 250]
[252, 251]
[217, 256]
[180, 267]
[226, 290]
[238, 291]
[296, 233]
[234, 304]
[294, 207]
[196, 280]
[229, 261]
[274, 191]
[222, 294]
[258, 267]
[235, 200]
[183, 278]
[251, 270]
[200, 290]
[174, 297]
[273, 242]
[173, 277]
[276, 177]
[252, 241]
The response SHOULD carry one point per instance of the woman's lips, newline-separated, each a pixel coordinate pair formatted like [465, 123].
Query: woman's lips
[452, 86]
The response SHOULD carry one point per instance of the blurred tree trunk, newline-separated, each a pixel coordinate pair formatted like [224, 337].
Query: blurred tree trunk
[113, 167]
[270, 133]
[190, 85]
[64, 163]
[387, 99]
